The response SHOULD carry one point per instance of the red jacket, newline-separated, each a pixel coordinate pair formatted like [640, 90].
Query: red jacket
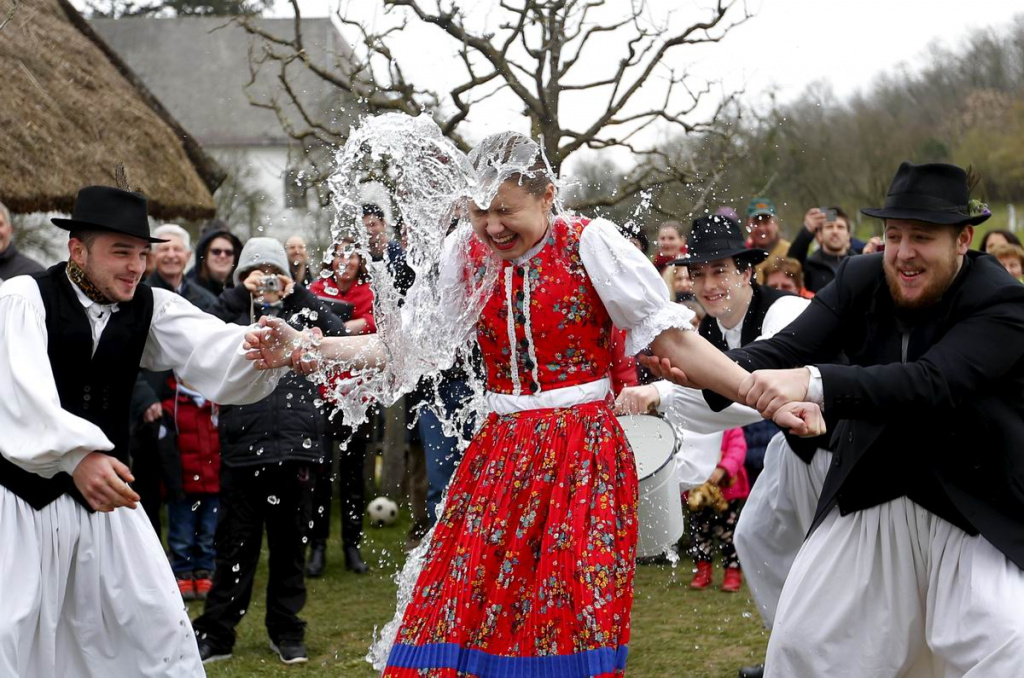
[735, 485]
[359, 295]
[190, 437]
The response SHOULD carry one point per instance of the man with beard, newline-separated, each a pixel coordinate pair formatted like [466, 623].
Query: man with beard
[834, 245]
[85, 587]
[914, 562]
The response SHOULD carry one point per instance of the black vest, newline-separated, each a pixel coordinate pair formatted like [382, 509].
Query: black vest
[760, 302]
[97, 388]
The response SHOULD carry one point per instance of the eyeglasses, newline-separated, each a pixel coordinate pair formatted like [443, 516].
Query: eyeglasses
[218, 252]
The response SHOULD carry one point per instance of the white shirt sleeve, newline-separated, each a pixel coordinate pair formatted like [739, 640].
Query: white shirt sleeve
[37, 434]
[629, 286]
[688, 407]
[205, 352]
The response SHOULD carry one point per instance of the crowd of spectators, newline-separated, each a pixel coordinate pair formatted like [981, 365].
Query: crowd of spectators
[227, 475]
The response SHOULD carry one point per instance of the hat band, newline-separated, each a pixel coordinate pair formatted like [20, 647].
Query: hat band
[911, 201]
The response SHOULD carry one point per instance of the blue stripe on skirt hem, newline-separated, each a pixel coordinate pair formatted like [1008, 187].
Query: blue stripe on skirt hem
[480, 663]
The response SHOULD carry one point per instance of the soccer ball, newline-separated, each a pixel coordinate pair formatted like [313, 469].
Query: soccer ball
[382, 512]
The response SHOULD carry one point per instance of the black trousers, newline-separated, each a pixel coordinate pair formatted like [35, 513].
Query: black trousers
[278, 497]
[351, 485]
[146, 467]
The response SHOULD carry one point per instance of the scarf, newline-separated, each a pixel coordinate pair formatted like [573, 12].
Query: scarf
[77, 276]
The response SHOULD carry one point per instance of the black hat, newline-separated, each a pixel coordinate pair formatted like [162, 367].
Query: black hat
[105, 208]
[718, 237]
[935, 193]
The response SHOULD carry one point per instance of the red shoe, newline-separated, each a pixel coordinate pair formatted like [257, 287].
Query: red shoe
[702, 579]
[203, 586]
[733, 580]
[187, 587]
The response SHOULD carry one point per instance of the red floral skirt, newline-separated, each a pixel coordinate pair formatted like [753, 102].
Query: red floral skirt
[530, 569]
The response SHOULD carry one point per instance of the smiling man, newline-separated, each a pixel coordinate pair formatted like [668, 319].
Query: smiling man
[914, 563]
[85, 587]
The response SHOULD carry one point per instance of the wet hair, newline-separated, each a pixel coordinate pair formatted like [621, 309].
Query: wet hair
[1009, 235]
[517, 150]
[791, 267]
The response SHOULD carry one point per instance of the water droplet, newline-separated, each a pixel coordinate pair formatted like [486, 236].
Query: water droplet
[273, 500]
[307, 443]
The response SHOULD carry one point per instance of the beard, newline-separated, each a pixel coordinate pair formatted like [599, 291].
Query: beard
[940, 276]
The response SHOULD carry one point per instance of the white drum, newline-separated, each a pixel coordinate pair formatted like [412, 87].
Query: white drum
[660, 509]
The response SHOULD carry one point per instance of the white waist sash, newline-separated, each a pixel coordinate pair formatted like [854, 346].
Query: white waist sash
[568, 396]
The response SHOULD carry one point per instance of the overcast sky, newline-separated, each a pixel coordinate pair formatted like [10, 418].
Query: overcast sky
[787, 45]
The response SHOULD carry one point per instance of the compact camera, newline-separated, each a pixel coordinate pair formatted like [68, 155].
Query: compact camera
[270, 283]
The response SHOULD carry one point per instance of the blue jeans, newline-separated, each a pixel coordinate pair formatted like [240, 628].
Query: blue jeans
[190, 533]
[442, 451]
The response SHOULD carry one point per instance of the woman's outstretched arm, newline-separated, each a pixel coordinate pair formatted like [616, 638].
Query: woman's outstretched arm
[707, 367]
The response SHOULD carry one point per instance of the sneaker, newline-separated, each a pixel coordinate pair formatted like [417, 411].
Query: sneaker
[733, 580]
[203, 584]
[187, 587]
[702, 578]
[290, 651]
[210, 653]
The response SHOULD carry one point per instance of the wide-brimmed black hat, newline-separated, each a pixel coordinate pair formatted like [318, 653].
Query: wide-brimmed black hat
[718, 237]
[105, 208]
[935, 193]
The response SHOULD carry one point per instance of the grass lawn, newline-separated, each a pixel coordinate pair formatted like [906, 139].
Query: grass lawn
[677, 631]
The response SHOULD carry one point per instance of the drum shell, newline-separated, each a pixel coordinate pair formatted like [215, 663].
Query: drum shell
[660, 509]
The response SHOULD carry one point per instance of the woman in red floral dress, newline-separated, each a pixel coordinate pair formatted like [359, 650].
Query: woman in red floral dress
[529, 571]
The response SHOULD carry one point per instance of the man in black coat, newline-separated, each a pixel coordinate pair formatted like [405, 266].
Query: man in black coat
[12, 262]
[915, 556]
[269, 451]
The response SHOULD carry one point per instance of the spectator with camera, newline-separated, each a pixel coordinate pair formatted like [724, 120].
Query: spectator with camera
[269, 452]
[830, 227]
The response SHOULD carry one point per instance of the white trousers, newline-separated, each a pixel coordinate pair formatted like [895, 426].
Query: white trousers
[88, 595]
[775, 520]
[895, 590]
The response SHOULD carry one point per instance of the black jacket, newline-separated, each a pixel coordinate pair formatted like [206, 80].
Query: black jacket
[202, 251]
[13, 262]
[287, 425]
[945, 427]
[151, 387]
[819, 268]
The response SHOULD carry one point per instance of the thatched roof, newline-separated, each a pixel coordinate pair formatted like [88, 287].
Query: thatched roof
[70, 111]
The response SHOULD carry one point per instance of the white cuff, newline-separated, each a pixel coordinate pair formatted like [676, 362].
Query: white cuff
[70, 461]
[664, 389]
[815, 390]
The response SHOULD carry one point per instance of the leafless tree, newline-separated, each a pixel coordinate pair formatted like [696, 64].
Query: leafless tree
[10, 14]
[536, 53]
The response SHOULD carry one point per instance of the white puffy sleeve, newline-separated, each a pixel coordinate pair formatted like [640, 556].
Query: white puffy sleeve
[36, 434]
[204, 351]
[632, 291]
